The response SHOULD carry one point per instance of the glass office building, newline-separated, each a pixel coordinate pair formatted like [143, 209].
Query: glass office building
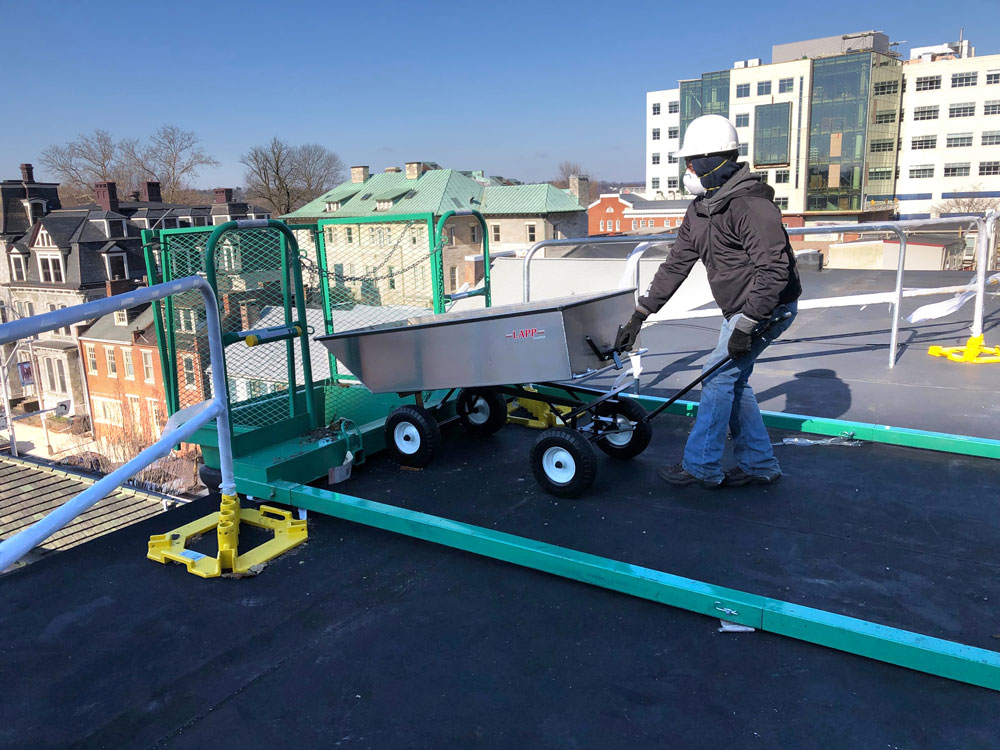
[854, 125]
[772, 130]
[708, 95]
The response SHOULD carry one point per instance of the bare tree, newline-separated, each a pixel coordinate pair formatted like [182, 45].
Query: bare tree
[170, 156]
[970, 205]
[284, 177]
[82, 162]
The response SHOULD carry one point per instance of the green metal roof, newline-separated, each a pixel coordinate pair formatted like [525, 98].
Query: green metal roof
[528, 199]
[436, 191]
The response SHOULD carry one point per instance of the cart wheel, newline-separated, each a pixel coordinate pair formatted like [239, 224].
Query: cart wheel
[481, 410]
[564, 462]
[636, 431]
[412, 435]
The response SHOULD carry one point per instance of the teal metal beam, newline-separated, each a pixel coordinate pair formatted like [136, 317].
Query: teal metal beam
[900, 647]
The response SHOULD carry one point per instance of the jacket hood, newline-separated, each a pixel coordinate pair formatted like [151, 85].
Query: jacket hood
[740, 184]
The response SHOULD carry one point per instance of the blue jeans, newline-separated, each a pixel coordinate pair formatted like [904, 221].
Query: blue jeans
[727, 400]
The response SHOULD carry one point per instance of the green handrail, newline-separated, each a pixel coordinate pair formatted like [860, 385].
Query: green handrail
[485, 292]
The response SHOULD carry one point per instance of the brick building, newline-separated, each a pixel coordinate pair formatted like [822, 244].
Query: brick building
[630, 213]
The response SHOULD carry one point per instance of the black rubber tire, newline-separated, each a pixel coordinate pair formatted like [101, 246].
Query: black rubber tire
[545, 460]
[480, 424]
[642, 431]
[211, 478]
[418, 436]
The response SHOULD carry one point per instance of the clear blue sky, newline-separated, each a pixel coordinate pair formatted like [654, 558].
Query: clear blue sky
[510, 87]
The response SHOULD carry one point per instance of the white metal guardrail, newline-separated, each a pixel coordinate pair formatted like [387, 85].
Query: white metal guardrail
[985, 227]
[14, 548]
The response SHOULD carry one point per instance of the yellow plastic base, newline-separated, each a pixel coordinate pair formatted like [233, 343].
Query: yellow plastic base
[973, 352]
[542, 416]
[172, 546]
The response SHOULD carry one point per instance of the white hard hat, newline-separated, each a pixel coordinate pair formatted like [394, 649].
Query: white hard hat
[708, 134]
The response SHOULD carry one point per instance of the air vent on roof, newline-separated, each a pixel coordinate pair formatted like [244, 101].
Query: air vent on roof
[410, 194]
[366, 196]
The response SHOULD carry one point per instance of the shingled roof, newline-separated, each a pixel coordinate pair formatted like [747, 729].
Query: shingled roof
[29, 491]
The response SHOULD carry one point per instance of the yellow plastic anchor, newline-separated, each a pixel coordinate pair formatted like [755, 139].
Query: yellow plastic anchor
[543, 416]
[172, 546]
[973, 352]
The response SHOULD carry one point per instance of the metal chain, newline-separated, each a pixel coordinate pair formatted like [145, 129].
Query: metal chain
[372, 275]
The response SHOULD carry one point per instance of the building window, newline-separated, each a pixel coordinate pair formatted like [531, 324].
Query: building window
[921, 171]
[671, 183]
[992, 76]
[956, 170]
[763, 88]
[928, 83]
[673, 132]
[530, 232]
[117, 266]
[883, 145]
[618, 225]
[642, 223]
[656, 134]
[350, 235]
[496, 232]
[116, 228]
[671, 159]
[989, 168]
[885, 118]
[881, 88]
[602, 225]
[743, 120]
[656, 158]
[744, 149]
[91, 351]
[925, 113]
[785, 85]
[453, 277]
[112, 363]
[781, 203]
[965, 109]
[742, 90]
[121, 317]
[762, 176]
[107, 411]
[187, 364]
[635, 223]
[129, 365]
[655, 183]
[781, 176]
[50, 268]
[474, 233]
[675, 107]
[961, 80]
[991, 108]
[392, 277]
[958, 140]
[17, 268]
[147, 366]
[656, 108]
[923, 142]
[876, 174]
[186, 318]
[991, 138]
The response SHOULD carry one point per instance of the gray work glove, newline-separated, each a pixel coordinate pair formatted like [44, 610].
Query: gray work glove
[741, 339]
[628, 333]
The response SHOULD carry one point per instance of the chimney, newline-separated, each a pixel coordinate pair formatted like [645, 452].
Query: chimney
[579, 188]
[151, 192]
[414, 169]
[393, 170]
[359, 174]
[223, 195]
[106, 194]
[27, 173]
[249, 314]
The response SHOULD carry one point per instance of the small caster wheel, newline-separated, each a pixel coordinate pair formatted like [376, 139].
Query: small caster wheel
[412, 436]
[564, 462]
[633, 431]
[481, 411]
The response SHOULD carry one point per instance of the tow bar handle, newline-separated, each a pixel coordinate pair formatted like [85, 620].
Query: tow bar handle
[605, 354]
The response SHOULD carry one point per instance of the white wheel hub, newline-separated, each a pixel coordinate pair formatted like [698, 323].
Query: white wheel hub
[407, 438]
[558, 465]
[621, 439]
[480, 411]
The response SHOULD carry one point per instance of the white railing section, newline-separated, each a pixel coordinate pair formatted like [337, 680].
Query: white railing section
[217, 408]
[984, 226]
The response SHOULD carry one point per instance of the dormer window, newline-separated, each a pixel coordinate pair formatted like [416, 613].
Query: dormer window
[332, 206]
[18, 268]
[44, 239]
[116, 265]
[383, 205]
[50, 268]
[116, 228]
[36, 210]
[121, 317]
